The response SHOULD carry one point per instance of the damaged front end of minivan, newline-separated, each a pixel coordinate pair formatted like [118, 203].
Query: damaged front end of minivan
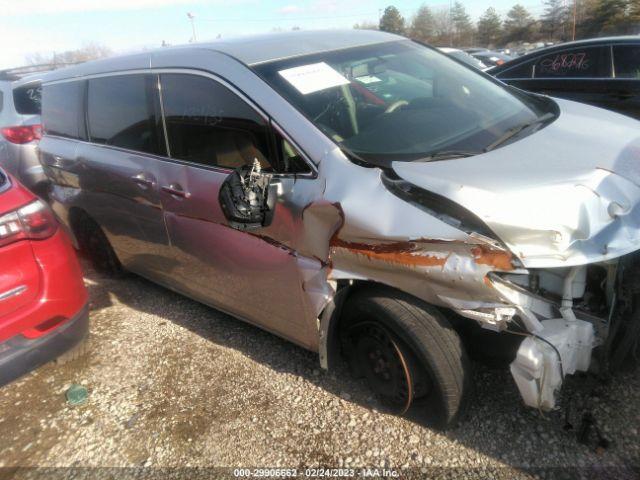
[563, 313]
[554, 260]
[566, 311]
[515, 211]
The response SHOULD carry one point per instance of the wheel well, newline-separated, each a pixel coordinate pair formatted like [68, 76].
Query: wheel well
[77, 216]
[82, 225]
[330, 347]
[495, 349]
[492, 348]
[92, 241]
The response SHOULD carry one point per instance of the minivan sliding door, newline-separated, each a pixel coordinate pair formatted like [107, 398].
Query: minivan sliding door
[119, 179]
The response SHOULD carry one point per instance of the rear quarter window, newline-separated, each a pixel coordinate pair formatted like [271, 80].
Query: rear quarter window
[121, 112]
[588, 62]
[62, 109]
[626, 59]
[28, 99]
[524, 70]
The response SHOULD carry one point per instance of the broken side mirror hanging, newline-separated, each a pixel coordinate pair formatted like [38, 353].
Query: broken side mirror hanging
[247, 197]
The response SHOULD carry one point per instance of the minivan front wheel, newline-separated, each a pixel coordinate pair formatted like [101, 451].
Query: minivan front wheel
[408, 353]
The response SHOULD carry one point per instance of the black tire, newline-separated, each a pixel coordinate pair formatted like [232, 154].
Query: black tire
[623, 343]
[93, 243]
[42, 190]
[431, 348]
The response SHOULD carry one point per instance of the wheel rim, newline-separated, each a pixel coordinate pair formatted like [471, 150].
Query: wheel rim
[385, 365]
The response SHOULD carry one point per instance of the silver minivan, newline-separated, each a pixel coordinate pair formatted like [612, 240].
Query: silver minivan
[365, 197]
[20, 128]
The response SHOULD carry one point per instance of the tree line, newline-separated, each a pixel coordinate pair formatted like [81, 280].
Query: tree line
[561, 21]
[89, 51]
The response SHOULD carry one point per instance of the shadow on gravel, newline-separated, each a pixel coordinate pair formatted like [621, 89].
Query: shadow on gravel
[497, 424]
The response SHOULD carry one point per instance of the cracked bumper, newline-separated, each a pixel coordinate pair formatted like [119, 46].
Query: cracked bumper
[539, 367]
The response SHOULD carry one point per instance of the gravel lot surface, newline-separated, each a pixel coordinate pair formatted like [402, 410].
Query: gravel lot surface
[174, 384]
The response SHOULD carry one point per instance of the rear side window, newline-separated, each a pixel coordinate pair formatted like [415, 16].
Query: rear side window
[208, 124]
[589, 62]
[121, 112]
[626, 59]
[61, 109]
[524, 70]
[28, 99]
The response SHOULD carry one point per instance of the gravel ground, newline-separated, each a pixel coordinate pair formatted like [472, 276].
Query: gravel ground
[176, 384]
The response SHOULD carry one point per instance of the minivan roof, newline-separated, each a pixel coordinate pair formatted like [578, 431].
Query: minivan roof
[250, 50]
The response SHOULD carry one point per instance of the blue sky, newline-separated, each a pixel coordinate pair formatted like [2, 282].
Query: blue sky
[45, 26]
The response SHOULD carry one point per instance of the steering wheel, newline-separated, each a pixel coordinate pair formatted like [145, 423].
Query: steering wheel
[396, 105]
[330, 132]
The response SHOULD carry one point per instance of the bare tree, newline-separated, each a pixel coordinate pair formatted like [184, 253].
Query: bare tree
[37, 58]
[366, 25]
[555, 20]
[441, 27]
[89, 51]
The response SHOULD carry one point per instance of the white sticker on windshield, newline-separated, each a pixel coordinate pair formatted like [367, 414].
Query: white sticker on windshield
[313, 78]
[367, 79]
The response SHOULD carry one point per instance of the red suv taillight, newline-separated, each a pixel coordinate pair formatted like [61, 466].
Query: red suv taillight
[33, 221]
[22, 133]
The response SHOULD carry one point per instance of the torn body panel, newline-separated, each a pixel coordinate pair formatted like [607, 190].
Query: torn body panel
[449, 274]
[581, 207]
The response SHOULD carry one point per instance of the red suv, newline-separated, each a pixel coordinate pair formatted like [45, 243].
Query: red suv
[43, 301]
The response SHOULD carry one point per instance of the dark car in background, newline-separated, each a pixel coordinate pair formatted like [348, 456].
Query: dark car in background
[473, 50]
[604, 72]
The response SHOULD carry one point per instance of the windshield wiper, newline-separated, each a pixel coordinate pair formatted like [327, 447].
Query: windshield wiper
[512, 132]
[448, 155]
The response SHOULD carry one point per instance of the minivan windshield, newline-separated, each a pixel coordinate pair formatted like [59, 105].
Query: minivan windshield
[401, 101]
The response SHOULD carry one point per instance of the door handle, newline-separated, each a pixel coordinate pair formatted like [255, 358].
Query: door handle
[176, 190]
[142, 180]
